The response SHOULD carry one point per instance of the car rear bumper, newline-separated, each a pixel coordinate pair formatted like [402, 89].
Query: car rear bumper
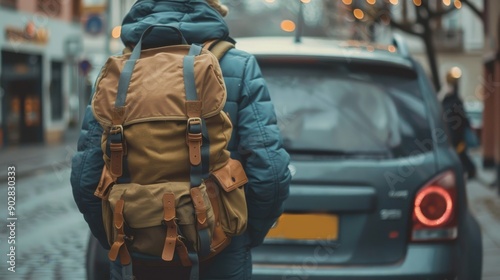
[422, 261]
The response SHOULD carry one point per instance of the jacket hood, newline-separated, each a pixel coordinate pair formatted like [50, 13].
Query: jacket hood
[197, 21]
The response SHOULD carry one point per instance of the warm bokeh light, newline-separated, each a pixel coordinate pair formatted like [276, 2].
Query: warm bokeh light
[347, 2]
[358, 13]
[270, 1]
[458, 4]
[288, 25]
[394, 2]
[391, 48]
[371, 2]
[456, 72]
[305, 1]
[447, 2]
[417, 2]
[116, 32]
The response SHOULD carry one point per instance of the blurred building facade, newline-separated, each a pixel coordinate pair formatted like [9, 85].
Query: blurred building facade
[102, 25]
[40, 48]
[491, 90]
[459, 41]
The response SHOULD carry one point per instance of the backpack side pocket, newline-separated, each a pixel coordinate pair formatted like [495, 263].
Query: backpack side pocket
[232, 207]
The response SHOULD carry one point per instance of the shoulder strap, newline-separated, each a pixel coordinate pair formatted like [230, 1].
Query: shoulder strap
[218, 47]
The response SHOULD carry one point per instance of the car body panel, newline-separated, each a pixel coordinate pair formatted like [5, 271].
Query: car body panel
[422, 261]
[321, 48]
[367, 194]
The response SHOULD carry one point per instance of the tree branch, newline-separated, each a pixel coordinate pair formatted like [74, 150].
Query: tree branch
[474, 9]
[433, 14]
[405, 28]
[424, 5]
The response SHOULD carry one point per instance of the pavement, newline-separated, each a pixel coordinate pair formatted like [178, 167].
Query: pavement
[37, 158]
[484, 202]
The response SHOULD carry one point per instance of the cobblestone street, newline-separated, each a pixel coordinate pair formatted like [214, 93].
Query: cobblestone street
[51, 234]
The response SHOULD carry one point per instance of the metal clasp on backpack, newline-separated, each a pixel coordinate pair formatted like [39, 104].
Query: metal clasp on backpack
[193, 121]
[115, 129]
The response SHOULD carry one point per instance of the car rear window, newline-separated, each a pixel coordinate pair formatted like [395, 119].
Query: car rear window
[347, 109]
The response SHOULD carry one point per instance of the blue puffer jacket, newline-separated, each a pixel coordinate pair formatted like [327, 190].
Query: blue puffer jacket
[255, 141]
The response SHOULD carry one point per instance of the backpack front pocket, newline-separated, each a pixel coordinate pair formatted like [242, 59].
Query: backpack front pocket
[145, 215]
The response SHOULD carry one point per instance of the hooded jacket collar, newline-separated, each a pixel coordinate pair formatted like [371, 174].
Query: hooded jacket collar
[197, 21]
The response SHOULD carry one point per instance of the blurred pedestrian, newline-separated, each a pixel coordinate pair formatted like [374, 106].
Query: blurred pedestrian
[456, 119]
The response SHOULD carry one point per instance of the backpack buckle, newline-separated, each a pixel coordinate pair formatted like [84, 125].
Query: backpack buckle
[194, 140]
[191, 123]
[116, 129]
[117, 150]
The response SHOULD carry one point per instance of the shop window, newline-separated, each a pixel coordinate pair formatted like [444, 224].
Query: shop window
[32, 111]
[51, 8]
[8, 3]
[56, 91]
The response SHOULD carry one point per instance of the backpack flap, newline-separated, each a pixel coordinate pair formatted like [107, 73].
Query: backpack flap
[147, 214]
[105, 183]
[231, 176]
[158, 86]
[232, 202]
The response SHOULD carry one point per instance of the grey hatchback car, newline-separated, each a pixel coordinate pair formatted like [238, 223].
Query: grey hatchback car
[377, 190]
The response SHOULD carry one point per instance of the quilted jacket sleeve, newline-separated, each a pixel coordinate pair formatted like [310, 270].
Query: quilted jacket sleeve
[86, 170]
[264, 159]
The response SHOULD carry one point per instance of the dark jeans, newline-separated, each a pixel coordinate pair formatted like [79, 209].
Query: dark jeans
[234, 263]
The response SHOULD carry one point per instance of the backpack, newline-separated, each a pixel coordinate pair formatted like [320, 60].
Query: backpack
[169, 189]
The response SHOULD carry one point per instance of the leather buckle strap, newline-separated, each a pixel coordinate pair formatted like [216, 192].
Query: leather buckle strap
[117, 151]
[194, 140]
[202, 225]
[119, 247]
[193, 108]
[169, 222]
[116, 159]
[200, 208]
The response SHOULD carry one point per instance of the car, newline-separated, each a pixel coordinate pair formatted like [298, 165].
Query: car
[377, 190]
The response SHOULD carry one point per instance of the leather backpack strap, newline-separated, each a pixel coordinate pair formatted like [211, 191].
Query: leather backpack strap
[218, 47]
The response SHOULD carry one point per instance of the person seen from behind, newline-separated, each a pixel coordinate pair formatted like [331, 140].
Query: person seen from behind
[456, 119]
[255, 142]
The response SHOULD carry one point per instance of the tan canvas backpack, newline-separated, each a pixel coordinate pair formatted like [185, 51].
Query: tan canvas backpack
[169, 187]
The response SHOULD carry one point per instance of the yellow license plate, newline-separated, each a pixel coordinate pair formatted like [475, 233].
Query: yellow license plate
[306, 227]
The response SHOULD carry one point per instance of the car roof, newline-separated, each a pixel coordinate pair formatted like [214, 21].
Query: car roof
[310, 47]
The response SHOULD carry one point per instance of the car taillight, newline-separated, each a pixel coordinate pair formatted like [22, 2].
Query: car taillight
[434, 211]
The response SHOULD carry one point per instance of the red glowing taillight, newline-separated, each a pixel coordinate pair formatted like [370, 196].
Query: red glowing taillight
[433, 206]
[434, 211]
